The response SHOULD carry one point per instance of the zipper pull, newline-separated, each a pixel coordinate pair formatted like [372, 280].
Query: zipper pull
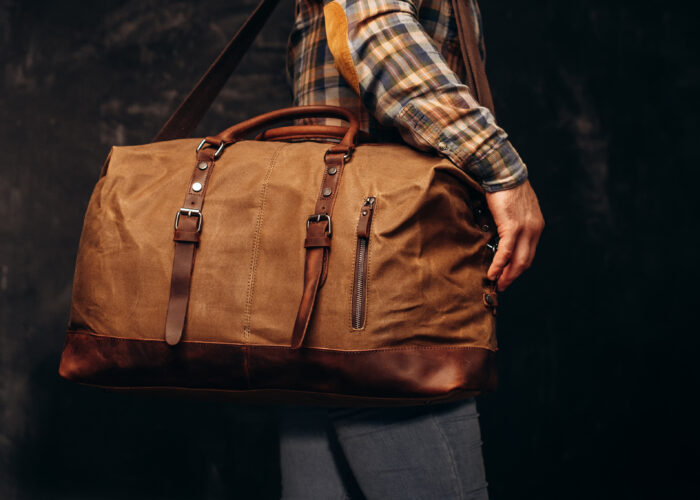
[365, 217]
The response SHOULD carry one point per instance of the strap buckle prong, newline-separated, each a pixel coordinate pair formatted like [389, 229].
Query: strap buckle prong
[317, 218]
[189, 212]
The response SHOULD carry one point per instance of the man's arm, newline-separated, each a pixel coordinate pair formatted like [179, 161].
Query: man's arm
[383, 52]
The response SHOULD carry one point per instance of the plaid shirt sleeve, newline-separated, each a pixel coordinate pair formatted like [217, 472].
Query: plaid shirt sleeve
[384, 53]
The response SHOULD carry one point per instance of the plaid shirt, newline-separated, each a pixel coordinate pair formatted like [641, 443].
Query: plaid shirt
[397, 64]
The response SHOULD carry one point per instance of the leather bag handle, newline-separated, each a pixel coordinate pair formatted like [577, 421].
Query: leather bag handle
[242, 129]
[192, 109]
[306, 132]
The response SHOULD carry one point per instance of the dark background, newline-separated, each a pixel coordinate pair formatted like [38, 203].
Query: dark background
[598, 340]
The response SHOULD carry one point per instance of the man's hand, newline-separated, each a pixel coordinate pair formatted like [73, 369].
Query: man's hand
[519, 221]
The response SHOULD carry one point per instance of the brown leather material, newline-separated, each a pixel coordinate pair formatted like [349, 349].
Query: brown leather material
[241, 130]
[365, 220]
[192, 109]
[183, 262]
[187, 235]
[319, 231]
[313, 271]
[476, 73]
[317, 241]
[309, 132]
[403, 374]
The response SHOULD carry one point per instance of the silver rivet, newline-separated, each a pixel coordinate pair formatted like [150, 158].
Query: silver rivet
[327, 191]
[442, 146]
[203, 165]
[485, 227]
[332, 171]
[197, 187]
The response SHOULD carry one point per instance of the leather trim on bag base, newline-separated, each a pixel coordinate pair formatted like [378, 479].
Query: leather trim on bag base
[254, 373]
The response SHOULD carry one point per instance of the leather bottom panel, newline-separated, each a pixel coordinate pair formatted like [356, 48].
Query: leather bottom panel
[256, 373]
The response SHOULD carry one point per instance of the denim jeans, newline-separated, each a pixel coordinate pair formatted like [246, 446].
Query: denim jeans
[422, 452]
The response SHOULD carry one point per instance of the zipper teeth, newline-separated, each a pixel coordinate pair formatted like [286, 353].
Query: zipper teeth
[359, 283]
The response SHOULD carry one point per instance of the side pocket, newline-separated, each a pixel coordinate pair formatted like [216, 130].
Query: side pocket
[359, 285]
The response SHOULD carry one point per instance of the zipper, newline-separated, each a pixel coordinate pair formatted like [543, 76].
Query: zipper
[359, 287]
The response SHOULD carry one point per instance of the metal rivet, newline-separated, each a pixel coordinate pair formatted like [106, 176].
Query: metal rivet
[364, 212]
[488, 299]
[203, 165]
[442, 146]
[197, 187]
[485, 227]
[332, 171]
[327, 191]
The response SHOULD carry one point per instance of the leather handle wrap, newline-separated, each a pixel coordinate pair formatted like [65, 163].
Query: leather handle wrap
[306, 132]
[240, 130]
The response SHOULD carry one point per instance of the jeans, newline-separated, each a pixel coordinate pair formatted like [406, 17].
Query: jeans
[422, 452]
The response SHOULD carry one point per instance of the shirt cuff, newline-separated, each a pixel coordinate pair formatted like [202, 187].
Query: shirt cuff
[499, 169]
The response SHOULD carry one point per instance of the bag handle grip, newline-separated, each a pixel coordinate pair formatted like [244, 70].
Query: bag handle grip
[244, 128]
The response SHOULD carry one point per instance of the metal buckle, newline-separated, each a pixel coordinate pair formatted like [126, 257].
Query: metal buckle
[218, 151]
[493, 246]
[317, 218]
[189, 212]
[346, 156]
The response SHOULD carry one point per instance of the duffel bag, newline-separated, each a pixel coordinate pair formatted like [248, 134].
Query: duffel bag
[304, 265]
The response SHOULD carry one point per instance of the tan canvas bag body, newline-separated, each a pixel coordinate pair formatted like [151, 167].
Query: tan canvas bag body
[304, 266]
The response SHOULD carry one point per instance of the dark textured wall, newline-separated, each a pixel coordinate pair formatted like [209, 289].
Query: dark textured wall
[597, 373]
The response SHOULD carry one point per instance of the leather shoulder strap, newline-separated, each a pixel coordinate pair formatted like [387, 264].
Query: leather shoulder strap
[192, 109]
[476, 73]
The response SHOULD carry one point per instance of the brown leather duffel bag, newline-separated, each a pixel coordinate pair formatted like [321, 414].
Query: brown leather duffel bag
[316, 271]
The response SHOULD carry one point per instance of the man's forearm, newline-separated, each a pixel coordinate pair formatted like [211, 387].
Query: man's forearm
[383, 51]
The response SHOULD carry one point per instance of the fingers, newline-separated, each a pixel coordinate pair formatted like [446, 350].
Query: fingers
[522, 257]
[506, 246]
[519, 220]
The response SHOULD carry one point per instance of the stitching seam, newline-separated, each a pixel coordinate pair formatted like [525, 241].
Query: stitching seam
[247, 314]
[338, 351]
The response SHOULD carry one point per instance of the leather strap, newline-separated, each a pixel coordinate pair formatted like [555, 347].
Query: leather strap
[192, 109]
[308, 132]
[188, 226]
[476, 73]
[318, 242]
[240, 130]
